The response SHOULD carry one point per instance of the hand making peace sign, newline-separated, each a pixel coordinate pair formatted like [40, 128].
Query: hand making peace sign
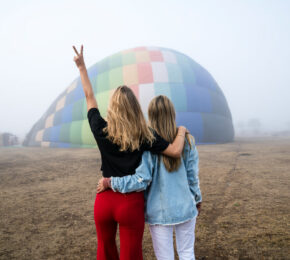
[79, 59]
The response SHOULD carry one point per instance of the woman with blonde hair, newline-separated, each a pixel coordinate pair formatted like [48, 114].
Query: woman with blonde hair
[173, 197]
[121, 139]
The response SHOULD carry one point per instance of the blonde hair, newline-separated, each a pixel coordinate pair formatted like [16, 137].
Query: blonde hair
[126, 123]
[161, 115]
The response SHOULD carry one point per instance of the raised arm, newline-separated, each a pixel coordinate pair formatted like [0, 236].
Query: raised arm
[175, 149]
[87, 86]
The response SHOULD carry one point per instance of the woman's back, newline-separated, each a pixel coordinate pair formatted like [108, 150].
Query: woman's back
[117, 163]
[172, 196]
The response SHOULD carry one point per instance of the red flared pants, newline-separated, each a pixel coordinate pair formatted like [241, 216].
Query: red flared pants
[127, 210]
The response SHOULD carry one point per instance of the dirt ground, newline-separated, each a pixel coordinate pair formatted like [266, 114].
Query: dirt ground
[47, 198]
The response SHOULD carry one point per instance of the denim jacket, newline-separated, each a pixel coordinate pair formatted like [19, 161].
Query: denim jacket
[171, 197]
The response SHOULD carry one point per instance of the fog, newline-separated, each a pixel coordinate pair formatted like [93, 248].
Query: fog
[243, 44]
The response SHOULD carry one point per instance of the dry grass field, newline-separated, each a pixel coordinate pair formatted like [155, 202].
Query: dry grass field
[47, 198]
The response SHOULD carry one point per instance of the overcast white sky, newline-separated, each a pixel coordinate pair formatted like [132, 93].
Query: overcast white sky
[244, 44]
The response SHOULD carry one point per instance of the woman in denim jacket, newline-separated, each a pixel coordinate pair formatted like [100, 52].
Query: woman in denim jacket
[171, 186]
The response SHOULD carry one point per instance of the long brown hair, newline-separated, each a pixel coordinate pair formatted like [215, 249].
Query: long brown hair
[126, 123]
[161, 115]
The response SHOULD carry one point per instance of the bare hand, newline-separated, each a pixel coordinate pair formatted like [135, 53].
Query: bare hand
[182, 130]
[100, 187]
[198, 206]
[79, 58]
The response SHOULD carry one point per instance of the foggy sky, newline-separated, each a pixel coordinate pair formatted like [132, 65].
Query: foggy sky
[244, 44]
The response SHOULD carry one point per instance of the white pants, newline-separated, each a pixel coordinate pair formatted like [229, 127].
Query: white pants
[162, 238]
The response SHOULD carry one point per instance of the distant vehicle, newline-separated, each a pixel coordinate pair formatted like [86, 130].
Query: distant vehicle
[8, 139]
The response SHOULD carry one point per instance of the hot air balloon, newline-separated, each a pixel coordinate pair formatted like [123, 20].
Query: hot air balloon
[149, 71]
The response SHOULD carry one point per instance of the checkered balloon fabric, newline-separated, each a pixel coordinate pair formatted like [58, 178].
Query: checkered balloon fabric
[149, 71]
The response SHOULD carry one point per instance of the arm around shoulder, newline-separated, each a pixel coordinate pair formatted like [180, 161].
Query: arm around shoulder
[138, 181]
[175, 149]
